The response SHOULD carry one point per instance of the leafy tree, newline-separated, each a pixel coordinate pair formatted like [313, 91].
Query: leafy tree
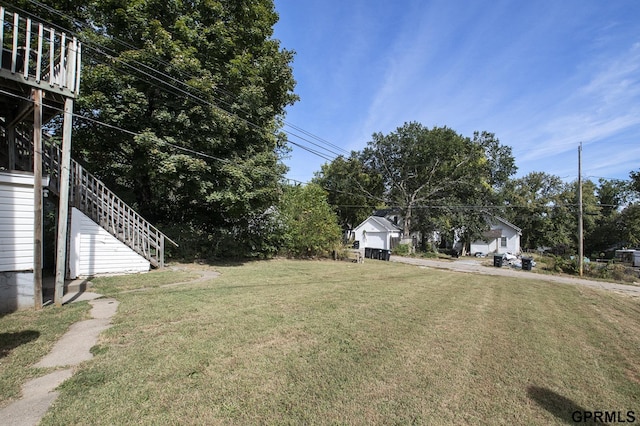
[183, 77]
[635, 181]
[612, 195]
[434, 174]
[311, 225]
[500, 164]
[354, 190]
[537, 203]
[629, 225]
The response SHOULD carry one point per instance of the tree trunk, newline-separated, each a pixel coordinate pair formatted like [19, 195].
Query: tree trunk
[407, 222]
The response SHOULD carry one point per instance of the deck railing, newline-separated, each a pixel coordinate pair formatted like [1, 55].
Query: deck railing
[36, 55]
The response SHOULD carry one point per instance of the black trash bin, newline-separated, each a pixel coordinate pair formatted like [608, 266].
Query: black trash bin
[497, 260]
[386, 255]
[367, 253]
[375, 254]
[526, 263]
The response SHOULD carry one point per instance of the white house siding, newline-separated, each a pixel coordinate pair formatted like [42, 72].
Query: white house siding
[495, 245]
[16, 222]
[94, 251]
[16, 241]
[513, 241]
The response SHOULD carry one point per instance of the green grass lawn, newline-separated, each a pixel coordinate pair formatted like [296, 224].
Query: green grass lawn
[26, 337]
[291, 342]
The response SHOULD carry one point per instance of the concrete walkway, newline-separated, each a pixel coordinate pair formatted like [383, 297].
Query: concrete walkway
[471, 265]
[73, 348]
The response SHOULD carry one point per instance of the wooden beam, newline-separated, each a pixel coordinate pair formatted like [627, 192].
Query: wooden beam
[63, 209]
[37, 198]
[22, 114]
[11, 140]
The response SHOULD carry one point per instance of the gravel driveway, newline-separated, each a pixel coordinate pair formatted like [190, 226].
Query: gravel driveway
[470, 265]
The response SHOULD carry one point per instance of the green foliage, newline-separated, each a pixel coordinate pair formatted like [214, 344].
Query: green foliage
[164, 70]
[499, 162]
[401, 250]
[421, 167]
[538, 205]
[563, 265]
[614, 272]
[635, 181]
[628, 225]
[311, 225]
[354, 190]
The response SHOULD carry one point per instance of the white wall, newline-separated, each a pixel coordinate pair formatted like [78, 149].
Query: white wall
[93, 251]
[513, 241]
[16, 222]
[16, 241]
[495, 245]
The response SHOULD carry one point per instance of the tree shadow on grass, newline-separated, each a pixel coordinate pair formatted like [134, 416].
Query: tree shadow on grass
[10, 341]
[556, 404]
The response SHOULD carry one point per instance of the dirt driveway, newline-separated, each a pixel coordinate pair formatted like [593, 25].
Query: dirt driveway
[471, 265]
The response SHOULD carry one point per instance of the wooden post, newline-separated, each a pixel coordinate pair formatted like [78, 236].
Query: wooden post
[63, 209]
[11, 140]
[37, 198]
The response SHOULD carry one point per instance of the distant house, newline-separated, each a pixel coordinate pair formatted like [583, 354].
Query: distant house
[501, 237]
[378, 233]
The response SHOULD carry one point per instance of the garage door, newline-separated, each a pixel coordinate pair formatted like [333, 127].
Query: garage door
[375, 240]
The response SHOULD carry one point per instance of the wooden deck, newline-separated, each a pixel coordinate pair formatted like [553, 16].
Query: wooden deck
[37, 56]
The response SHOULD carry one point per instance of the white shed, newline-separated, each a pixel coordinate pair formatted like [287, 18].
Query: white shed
[501, 237]
[376, 232]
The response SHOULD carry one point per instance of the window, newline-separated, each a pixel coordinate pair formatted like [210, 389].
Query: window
[503, 241]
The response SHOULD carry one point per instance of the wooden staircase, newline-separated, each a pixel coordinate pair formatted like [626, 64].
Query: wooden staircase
[34, 57]
[91, 196]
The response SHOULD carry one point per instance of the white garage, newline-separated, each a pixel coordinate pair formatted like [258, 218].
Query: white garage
[376, 232]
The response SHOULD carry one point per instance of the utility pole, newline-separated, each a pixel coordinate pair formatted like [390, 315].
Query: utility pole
[580, 227]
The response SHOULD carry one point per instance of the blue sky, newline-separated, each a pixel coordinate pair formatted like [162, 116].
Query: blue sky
[542, 75]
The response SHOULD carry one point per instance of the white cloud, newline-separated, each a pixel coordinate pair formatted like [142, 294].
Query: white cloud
[607, 104]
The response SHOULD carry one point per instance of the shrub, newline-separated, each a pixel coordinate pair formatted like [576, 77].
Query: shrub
[311, 225]
[562, 264]
[401, 250]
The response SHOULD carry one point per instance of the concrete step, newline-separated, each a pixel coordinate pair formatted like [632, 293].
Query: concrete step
[71, 287]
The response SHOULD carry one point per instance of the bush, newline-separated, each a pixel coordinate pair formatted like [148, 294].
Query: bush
[613, 271]
[311, 226]
[429, 254]
[401, 250]
[606, 271]
[562, 265]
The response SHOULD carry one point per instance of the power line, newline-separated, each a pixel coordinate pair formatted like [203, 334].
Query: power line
[177, 89]
[101, 50]
[160, 140]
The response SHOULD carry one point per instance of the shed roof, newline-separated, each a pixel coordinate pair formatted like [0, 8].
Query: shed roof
[382, 222]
